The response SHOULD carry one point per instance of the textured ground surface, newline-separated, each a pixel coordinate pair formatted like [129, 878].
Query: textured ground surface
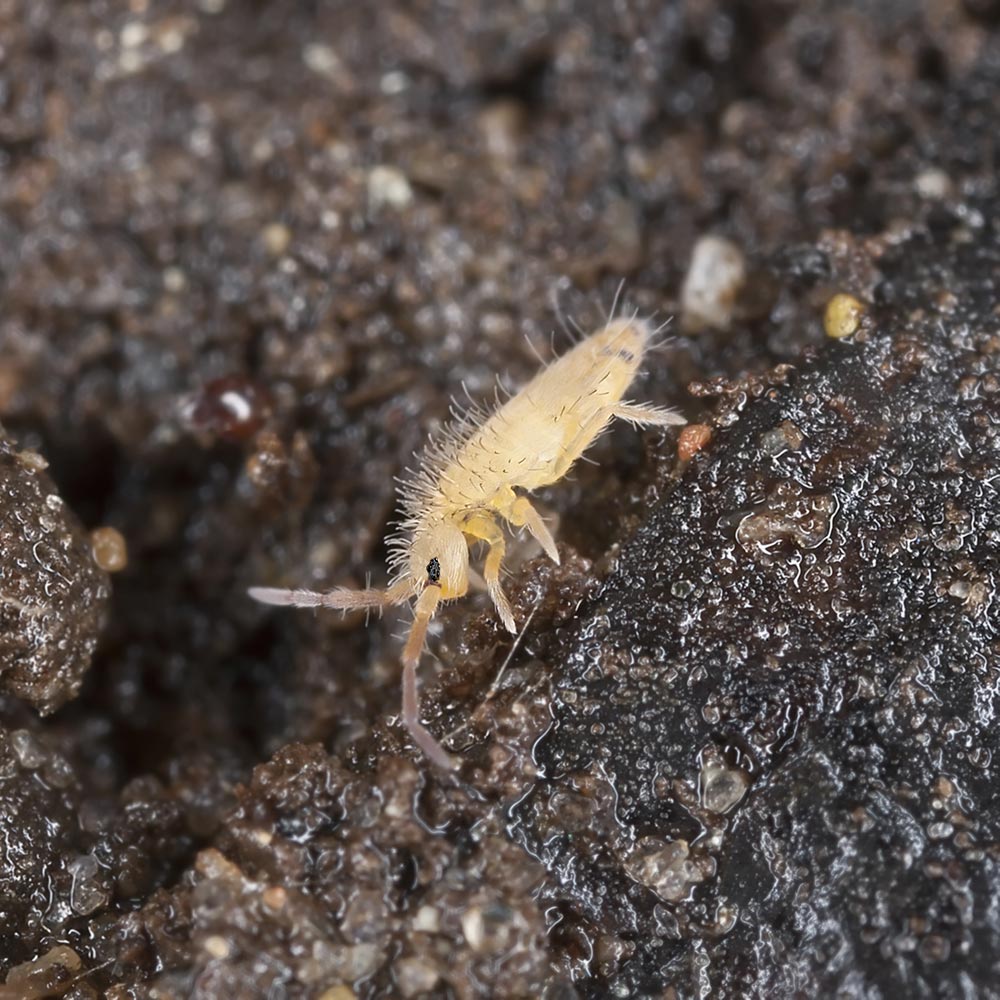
[746, 748]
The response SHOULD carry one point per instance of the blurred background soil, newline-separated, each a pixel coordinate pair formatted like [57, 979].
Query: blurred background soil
[248, 252]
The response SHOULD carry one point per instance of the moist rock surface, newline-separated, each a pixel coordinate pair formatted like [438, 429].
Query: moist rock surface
[53, 595]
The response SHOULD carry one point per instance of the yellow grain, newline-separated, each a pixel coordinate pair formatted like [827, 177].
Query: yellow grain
[842, 316]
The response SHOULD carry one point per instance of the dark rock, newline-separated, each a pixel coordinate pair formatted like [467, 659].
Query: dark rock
[838, 651]
[53, 595]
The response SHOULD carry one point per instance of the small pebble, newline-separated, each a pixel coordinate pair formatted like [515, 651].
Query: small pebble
[692, 439]
[110, 549]
[715, 277]
[217, 946]
[337, 993]
[388, 186]
[722, 787]
[843, 316]
[52, 966]
[276, 238]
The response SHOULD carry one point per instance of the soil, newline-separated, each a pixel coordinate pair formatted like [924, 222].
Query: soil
[744, 747]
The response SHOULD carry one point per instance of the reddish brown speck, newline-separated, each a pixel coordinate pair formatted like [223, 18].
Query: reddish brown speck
[692, 439]
[232, 408]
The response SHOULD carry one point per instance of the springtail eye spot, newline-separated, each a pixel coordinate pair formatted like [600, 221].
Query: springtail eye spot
[470, 483]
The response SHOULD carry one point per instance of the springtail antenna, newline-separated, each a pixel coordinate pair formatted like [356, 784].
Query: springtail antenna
[340, 597]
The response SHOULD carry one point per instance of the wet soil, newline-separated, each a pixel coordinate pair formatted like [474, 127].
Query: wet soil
[248, 251]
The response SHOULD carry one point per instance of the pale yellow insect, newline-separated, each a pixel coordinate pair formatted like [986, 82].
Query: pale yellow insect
[466, 484]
